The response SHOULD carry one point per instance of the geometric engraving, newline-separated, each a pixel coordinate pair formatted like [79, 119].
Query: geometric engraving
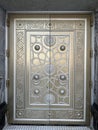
[50, 70]
[49, 40]
[20, 67]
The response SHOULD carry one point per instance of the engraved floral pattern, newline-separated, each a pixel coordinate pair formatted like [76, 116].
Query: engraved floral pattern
[49, 89]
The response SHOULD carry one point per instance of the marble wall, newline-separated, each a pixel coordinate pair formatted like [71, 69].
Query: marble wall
[96, 60]
[2, 54]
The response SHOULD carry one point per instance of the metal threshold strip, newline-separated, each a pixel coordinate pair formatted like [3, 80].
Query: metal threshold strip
[30, 127]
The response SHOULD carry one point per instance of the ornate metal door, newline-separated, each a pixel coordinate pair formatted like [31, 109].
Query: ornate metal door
[48, 69]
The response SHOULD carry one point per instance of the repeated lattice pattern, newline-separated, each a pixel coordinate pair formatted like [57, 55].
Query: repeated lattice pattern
[49, 71]
[20, 127]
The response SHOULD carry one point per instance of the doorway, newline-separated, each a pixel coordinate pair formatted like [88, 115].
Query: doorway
[49, 69]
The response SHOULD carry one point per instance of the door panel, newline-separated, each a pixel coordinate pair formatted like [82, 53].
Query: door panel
[49, 71]
[69, 63]
[29, 79]
[37, 80]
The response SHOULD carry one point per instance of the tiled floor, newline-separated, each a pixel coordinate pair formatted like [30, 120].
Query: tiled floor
[24, 127]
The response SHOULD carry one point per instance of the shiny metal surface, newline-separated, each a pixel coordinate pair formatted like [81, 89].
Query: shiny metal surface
[29, 127]
[50, 63]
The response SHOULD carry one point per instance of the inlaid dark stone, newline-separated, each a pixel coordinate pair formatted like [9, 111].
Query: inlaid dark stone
[62, 48]
[37, 47]
[36, 77]
[62, 77]
[62, 91]
[36, 91]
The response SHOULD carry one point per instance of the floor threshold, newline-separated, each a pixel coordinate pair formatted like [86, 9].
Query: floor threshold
[30, 127]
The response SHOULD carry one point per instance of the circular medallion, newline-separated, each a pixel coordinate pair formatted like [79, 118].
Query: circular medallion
[36, 77]
[49, 40]
[37, 47]
[19, 113]
[36, 91]
[62, 77]
[49, 69]
[79, 114]
[49, 98]
[62, 92]
[62, 47]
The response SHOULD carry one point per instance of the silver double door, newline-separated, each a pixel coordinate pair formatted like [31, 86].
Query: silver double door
[49, 69]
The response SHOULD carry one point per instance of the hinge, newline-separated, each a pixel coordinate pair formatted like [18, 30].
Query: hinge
[91, 21]
[8, 22]
[7, 82]
[91, 53]
[7, 114]
[90, 84]
[7, 53]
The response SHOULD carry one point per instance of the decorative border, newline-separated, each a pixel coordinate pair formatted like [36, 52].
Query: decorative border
[85, 60]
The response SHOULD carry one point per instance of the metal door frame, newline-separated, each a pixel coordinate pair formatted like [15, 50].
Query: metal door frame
[10, 71]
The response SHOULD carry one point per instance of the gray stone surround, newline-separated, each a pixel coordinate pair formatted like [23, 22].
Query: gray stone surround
[2, 57]
[96, 60]
[2, 54]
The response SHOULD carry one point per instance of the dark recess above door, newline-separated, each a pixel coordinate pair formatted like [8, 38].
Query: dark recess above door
[49, 5]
